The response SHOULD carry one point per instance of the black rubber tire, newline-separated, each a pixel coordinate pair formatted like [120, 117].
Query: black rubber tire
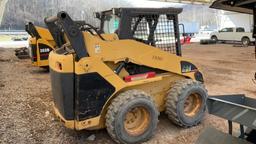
[245, 41]
[175, 100]
[214, 38]
[251, 136]
[116, 114]
[207, 41]
[46, 68]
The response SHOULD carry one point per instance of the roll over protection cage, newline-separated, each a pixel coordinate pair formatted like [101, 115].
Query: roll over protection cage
[131, 17]
[72, 31]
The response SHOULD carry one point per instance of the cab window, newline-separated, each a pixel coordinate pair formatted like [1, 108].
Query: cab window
[227, 30]
[111, 24]
[240, 30]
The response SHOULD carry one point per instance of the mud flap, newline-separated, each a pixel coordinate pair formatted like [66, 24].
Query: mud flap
[213, 136]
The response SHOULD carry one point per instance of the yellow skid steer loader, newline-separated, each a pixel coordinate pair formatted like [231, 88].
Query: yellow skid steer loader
[101, 81]
[41, 43]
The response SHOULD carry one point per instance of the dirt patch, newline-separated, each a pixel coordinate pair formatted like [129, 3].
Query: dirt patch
[26, 102]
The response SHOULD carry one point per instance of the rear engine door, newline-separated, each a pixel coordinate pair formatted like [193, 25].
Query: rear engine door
[43, 49]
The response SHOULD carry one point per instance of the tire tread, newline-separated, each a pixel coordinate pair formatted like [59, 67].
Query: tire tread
[173, 98]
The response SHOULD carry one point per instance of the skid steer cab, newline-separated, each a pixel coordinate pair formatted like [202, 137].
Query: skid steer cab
[155, 27]
[41, 43]
[99, 81]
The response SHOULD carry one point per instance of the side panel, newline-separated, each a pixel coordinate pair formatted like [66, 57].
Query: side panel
[44, 33]
[43, 50]
[92, 92]
[236, 36]
[62, 82]
[62, 91]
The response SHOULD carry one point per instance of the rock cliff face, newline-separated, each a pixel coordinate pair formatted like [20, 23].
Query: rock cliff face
[18, 12]
[2, 9]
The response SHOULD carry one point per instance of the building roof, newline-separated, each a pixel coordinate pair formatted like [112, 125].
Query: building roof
[189, 1]
[242, 6]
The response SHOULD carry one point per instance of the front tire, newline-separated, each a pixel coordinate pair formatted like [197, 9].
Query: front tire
[186, 103]
[132, 117]
[214, 38]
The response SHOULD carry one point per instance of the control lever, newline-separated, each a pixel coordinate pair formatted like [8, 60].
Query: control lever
[121, 66]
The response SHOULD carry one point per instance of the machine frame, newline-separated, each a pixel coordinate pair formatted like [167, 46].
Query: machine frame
[92, 74]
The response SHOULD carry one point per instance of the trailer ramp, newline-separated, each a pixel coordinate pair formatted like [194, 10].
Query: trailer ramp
[234, 108]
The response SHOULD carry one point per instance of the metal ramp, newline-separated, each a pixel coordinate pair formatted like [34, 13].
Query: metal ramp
[213, 136]
[233, 108]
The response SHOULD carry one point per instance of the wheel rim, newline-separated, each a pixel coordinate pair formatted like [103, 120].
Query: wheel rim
[136, 121]
[245, 42]
[192, 105]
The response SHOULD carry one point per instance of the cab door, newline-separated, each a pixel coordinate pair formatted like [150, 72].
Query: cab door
[226, 34]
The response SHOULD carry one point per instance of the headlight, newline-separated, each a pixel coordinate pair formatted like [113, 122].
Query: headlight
[187, 67]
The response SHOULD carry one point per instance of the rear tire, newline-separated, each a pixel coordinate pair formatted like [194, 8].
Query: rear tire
[186, 103]
[245, 41]
[132, 117]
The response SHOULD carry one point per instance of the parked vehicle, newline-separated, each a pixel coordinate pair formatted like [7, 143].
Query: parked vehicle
[237, 34]
[237, 108]
[204, 36]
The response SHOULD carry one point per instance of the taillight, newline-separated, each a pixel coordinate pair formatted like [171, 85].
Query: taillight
[58, 65]
[139, 76]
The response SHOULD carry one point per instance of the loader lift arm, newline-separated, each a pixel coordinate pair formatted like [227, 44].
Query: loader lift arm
[56, 33]
[55, 28]
[62, 23]
[73, 33]
[31, 30]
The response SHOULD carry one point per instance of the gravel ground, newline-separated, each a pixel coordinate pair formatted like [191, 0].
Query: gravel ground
[26, 103]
